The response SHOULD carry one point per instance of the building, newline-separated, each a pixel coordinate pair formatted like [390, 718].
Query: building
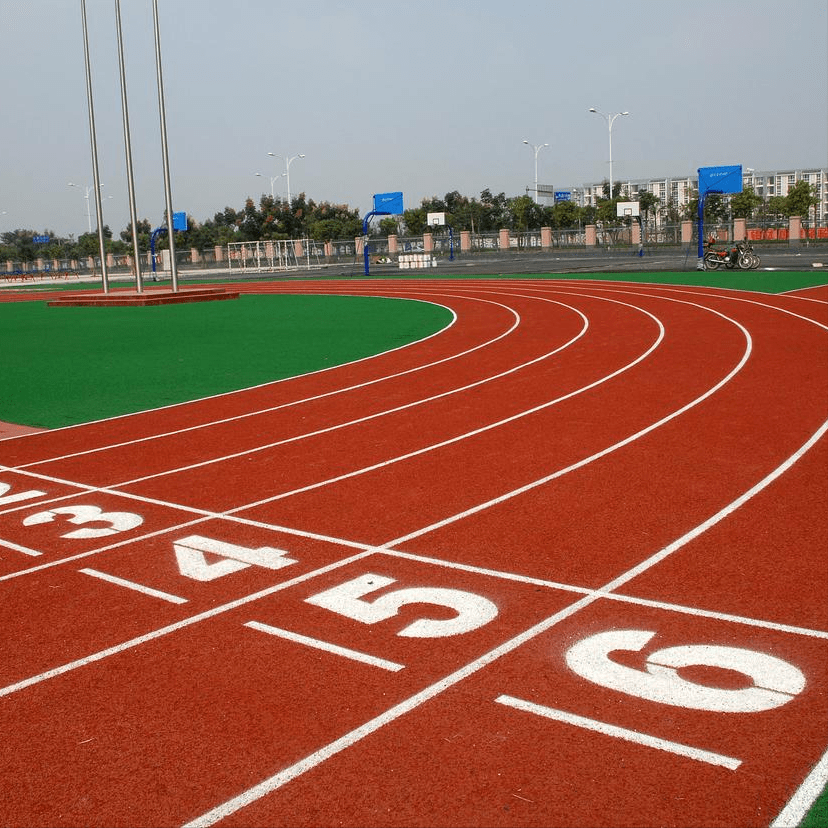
[678, 192]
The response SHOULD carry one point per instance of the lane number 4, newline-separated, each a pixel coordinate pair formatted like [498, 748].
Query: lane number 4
[192, 562]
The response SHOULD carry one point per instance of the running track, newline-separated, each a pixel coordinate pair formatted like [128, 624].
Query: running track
[562, 563]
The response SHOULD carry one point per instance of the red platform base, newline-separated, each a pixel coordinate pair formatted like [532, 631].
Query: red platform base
[129, 298]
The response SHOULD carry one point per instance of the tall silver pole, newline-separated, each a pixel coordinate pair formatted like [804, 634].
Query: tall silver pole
[133, 212]
[95, 175]
[164, 153]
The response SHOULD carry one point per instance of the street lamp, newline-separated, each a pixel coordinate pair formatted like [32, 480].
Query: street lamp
[89, 190]
[609, 119]
[287, 168]
[537, 150]
[273, 180]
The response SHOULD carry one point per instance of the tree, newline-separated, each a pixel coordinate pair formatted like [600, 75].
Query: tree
[743, 204]
[777, 206]
[647, 203]
[565, 214]
[801, 197]
[389, 226]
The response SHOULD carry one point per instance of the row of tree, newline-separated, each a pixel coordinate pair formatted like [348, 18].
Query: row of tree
[275, 219]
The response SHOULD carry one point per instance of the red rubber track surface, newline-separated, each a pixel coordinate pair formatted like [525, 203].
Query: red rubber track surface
[446, 585]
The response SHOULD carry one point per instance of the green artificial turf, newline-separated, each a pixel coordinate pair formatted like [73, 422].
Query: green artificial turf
[818, 815]
[66, 365]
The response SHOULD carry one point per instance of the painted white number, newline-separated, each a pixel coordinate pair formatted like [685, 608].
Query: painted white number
[775, 681]
[473, 611]
[189, 552]
[118, 521]
[5, 499]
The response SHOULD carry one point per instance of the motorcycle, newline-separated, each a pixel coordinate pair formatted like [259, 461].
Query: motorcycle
[740, 256]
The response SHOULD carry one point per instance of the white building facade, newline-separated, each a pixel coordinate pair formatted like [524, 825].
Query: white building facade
[678, 192]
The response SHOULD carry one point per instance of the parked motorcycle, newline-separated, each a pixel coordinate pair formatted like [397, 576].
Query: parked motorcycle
[739, 256]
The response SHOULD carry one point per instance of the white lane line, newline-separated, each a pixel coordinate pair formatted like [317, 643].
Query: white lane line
[800, 803]
[327, 646]
[154, 593]
[689, 752]
[369, 417]
[17, 548]
[593, 457]
[170, 628]
[276, 382]
[293, 403]
[324, 753]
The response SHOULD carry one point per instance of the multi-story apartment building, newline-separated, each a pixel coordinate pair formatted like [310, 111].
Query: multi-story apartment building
[677, 192]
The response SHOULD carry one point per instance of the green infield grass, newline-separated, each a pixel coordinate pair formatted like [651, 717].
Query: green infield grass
[63, 366]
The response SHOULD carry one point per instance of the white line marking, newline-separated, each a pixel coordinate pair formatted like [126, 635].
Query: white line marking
[616, 732]
[155, 593]
[17, 548]
[406, 406]
[283, 379]
[170, 628]
[354, 655]
[800, 803]
[321, 755]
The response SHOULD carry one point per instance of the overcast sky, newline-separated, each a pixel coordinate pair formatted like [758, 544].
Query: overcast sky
[422, 98]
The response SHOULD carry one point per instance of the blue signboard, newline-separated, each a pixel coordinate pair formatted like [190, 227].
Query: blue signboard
[563, 195]
[41, 239]
[389, 204]
[720, 179]
[179, 221]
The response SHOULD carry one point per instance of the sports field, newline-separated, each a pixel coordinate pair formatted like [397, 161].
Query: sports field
[503, 551]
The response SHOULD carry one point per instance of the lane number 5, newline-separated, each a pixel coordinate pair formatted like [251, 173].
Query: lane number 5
[347, 599]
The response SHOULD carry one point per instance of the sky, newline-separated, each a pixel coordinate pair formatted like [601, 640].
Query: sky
[395, 96]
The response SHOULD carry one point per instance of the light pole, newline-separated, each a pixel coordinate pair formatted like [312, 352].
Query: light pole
[609, 119]
[287, 168]
[537, 150]
[89, 190]
[273, 180]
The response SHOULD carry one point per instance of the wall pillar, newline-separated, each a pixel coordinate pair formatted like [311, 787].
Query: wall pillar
[546, 237]
[739, 229]
[504, 240]
[359, 241]
[298, 248]
[218, 252]
[589, 235]
[686, 232]
[195, 258]
[635, 233]
[328, 249]
[392, 243]
[428, 242]
[794, 230]
[465, 240]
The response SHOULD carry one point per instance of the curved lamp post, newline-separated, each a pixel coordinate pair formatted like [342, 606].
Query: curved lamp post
[609, 119]
[537, 150]
[287, 168]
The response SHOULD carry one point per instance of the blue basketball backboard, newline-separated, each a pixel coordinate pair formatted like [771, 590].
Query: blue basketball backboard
[389, 204]
[720, 179]
[179, 221]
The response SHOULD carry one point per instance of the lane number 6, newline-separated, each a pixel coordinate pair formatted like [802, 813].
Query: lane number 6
[775, 682]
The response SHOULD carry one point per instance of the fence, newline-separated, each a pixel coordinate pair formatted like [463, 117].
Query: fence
[288, 255]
